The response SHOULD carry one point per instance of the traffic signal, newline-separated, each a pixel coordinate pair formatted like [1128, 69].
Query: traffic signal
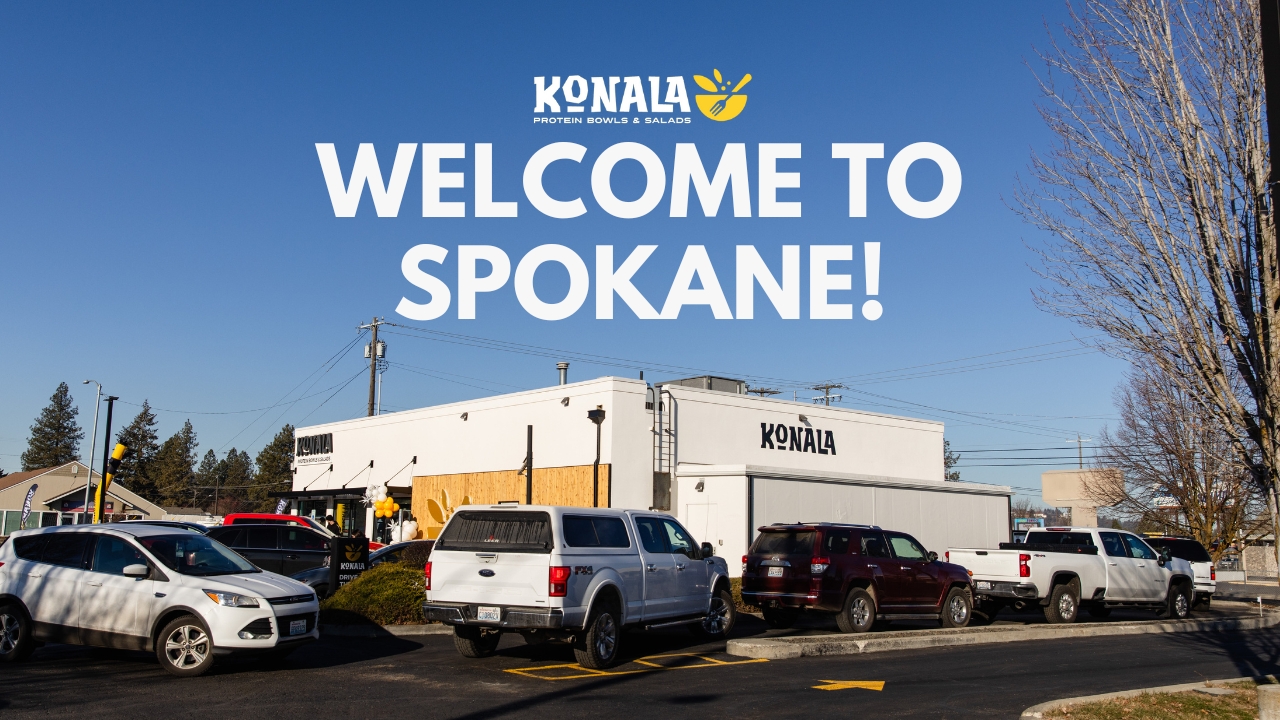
[113, 467]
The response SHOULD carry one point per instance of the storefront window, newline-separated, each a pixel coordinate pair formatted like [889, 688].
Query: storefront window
[314, 509]
[349, 514]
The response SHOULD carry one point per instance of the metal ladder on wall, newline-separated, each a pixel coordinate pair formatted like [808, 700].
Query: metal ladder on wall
[661, 407]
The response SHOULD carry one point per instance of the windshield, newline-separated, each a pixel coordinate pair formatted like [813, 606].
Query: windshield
[196, 555]
[787, 542]
[1188, 550]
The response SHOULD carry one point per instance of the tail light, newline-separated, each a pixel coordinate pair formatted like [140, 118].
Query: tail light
[558, 581]
[744, 563]
[1024, 570]
[947, 555]
[1213, 572]
[426, 576]
[819, 565]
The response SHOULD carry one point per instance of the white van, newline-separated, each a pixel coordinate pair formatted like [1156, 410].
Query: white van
[145, 587]
[575, 574]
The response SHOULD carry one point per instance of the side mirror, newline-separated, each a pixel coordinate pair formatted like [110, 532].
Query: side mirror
[933, 556]
[138, 571]
[708, 550]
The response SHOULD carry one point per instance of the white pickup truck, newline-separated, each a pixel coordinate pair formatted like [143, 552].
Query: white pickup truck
[1065, 568]
[573, 574]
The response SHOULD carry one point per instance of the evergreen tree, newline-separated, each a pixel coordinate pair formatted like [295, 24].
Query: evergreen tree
[209, 475]
[949, 460]
[141, 438]
[274, 473]
[55, 438]
[173, 468]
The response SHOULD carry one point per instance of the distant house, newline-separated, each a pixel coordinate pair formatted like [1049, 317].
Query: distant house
[59, 498]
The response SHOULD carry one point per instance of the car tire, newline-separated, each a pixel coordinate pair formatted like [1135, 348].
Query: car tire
[184, 647]
[474, 642]
[780, 618]
[597, 647]
[15, 634]
[957, 609]
[858, 614]
[720, 618]
[1178, 605]
[322, 591]
[1099, 611]
[1064, 603]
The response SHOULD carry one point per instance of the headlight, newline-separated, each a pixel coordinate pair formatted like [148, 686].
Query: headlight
[231, 599]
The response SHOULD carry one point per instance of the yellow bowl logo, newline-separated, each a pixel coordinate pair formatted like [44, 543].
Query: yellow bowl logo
[722, 103]
[352, 552]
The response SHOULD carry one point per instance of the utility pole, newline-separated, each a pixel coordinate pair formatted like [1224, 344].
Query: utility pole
[826, 389]
[1079, 441]
[762, 392]
[106, 451]
[374, 352]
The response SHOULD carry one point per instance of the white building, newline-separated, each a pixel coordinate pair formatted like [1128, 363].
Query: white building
[724, 463]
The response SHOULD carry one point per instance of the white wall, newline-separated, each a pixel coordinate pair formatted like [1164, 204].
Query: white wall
[715, 428]
[493, 437]
[940, 515]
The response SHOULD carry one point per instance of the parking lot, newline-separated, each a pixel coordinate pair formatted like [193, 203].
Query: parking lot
[666, 670]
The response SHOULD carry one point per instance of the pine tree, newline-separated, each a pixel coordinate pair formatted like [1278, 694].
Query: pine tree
[949, 460]
[55, 438]
[141, 438]
[173, 468]
[275, 471]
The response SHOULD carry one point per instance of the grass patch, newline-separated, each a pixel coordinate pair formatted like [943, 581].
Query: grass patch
[386, 594]
[1243, 705]
[735, 584]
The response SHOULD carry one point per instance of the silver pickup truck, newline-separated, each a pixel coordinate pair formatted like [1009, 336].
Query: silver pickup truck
[1065, 568]
[574, 574]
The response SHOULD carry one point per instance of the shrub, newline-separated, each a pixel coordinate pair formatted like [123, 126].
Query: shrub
[387, 594]
[416, 554]
[735, 584]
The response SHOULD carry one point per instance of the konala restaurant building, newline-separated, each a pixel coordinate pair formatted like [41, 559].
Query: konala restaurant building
[722, 461]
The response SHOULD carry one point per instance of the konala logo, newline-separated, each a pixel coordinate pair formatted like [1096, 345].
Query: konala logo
[722, 103]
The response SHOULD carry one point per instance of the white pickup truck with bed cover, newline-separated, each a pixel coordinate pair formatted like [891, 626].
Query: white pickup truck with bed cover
[573, 574]
[1065, 568]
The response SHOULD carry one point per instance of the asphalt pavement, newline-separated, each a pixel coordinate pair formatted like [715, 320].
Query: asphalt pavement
[667, 672]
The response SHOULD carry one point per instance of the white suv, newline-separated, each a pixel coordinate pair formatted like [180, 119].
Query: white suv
[181, 594]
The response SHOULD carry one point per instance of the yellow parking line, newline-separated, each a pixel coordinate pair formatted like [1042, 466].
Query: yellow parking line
[876, 685]
[574, 671]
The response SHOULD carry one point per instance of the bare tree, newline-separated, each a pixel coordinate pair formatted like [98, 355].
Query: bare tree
[1154, 200]
[1167, 447]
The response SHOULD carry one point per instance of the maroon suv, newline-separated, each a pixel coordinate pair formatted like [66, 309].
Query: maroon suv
[860, 572]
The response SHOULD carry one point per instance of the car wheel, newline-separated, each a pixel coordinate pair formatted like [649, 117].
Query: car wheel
[597, 648]
[957, 609]
[1064, 603]
[721, 616]
[858, 613]
[1099, 611]
[15, 634]
[780, 618]
[184, 647]
[474, 642]
[1178, 605]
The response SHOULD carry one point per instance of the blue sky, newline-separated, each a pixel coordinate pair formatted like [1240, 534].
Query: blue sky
[167, 231]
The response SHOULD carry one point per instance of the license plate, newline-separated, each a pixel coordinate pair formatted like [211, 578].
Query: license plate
[984, 585]
[775, 572]
[297, 627]
[489, 614]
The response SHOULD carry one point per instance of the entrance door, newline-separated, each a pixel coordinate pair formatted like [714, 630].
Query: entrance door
[661, 588]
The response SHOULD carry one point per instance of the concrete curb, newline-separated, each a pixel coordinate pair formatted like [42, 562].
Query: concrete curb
[1038, 711]
[857, 644]
[382, 631]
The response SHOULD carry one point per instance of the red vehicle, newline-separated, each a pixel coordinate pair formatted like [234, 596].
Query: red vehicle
[860, 573]
[280, 519]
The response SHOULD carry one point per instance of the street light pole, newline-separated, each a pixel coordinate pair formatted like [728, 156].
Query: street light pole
[596, 416]
[88, 481]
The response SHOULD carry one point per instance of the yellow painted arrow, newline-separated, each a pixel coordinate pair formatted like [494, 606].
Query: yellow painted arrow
[876, 685]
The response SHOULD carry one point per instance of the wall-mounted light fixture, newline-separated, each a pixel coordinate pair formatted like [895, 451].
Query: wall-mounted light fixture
[699, 487]
[564, 401]
[804, 419]
[464, 416]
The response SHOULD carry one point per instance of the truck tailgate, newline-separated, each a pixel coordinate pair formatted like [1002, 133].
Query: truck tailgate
[997, 565]
[497, 578]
